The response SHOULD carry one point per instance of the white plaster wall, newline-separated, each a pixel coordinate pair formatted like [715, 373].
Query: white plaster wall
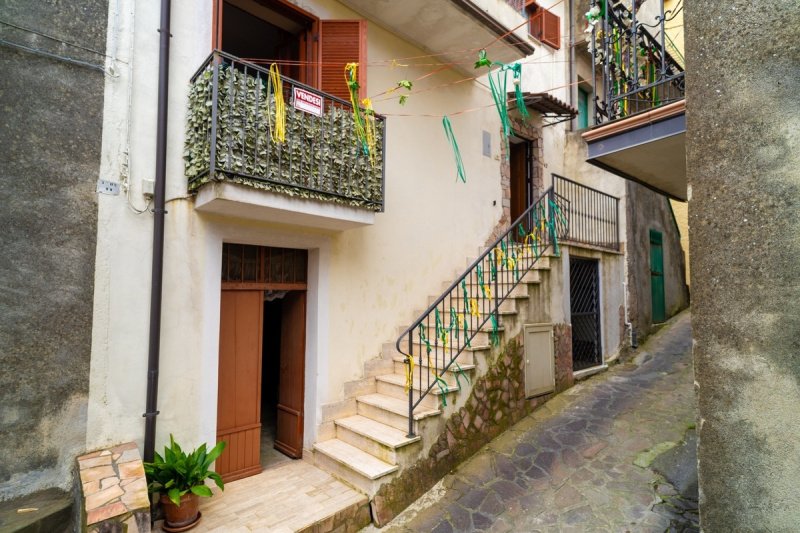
[368, 281]
[364, 283]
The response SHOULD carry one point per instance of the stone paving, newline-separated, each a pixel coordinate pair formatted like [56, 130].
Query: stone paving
[587, 460]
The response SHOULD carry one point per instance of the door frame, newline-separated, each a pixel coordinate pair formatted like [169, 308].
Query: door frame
[207, 302]
[599, 307]
[528, 185]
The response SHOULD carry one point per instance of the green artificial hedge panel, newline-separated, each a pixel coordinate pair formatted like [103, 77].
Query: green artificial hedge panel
[321, 158]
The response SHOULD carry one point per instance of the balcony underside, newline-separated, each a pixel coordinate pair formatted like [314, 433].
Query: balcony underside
[451, 27]
[648, 148]
[232, 200]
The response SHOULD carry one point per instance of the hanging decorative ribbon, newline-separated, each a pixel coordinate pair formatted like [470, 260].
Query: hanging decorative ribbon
[369, 131]
[409, 373]
[423, 337]
[351, 78]
[460, 372]
[278, 131]
[494, 336]
[451, 138]
[516, 69]
[442, 388]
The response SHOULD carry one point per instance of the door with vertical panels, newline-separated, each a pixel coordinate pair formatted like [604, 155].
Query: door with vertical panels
[584, 297]
[239, 383]
[289, 427]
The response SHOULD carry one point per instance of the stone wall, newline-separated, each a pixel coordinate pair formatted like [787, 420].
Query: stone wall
[648, 210]
[50, 153]
[743, 163]
[496, 402]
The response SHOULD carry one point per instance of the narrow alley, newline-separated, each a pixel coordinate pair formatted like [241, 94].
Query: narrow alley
[614, 453]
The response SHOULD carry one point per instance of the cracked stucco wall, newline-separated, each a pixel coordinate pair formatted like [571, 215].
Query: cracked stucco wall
[743, 160]
[50, 153]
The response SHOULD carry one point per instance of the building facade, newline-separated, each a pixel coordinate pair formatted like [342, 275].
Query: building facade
[307, 262]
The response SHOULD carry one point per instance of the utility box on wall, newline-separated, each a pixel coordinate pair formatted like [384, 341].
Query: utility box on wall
[539, 360]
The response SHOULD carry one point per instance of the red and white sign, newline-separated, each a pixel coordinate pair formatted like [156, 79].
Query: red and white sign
[307, 101]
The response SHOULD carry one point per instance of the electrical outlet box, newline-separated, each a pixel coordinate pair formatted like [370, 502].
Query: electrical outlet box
[108, 187]
[148, 188]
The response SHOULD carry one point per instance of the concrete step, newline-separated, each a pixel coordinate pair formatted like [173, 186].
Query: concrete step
[391, 411]
[48, 510]
[352, 465]
[450, 376]
[377, 439]
[394, 385]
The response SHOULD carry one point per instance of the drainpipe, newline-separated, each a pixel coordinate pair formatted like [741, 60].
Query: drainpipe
[154, 350]
[572, 87]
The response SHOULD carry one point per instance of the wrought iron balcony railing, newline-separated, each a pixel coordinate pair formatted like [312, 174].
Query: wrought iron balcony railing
[640, 71]
[230, 119]
[593, 215]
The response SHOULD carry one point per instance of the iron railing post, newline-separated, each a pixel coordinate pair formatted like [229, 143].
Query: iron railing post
[411, 385]
[212, 164]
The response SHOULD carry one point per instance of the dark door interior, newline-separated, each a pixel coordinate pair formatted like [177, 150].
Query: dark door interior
[521, 179]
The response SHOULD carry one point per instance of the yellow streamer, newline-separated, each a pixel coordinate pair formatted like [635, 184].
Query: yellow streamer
[409, 374]
[369, 129]
[473, 307]
[278, 133]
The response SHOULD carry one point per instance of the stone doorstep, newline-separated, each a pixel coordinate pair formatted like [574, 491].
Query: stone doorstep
[113, 487]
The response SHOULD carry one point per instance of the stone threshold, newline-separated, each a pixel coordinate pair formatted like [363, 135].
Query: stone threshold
[290, 497]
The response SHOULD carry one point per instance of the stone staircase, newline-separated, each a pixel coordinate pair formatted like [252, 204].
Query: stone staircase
[364, 441]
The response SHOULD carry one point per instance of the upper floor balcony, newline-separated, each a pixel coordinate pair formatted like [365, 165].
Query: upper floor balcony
[639, 96]
[453, 29]
[321, 175]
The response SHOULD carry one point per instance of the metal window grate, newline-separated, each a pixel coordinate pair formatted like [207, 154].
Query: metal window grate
[584, 295]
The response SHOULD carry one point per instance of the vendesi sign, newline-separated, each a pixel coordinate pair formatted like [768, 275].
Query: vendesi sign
[307, 101]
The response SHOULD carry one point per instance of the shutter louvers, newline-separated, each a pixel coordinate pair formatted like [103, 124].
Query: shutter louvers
[342, 42]
[546, 27]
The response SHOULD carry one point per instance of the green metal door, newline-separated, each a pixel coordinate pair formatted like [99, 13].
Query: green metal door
[657, 276]
[583, 109]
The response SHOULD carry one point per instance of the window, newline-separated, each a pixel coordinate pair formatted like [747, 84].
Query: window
[307, 49]
[545, 26]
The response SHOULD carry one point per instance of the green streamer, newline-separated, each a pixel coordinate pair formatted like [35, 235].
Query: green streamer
[451, 137]
[494, 336]
[516, 68]
[443, 388]
[460, 372]
[424, 338]
[493, 265]
[454, 320]
[480, 280]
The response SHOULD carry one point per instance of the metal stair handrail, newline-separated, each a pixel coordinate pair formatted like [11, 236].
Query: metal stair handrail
[449, 325]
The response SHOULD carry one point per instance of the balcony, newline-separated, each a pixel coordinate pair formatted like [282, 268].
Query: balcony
[320, 176]
[453, 28]
[640, 106]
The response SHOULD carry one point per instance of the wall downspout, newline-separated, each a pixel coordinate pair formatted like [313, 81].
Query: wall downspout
[572, 86]
[154, 349]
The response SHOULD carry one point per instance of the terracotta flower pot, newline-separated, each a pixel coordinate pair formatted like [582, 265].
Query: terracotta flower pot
[184, 514]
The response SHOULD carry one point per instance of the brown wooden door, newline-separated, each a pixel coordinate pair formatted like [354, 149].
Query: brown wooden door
[520, 179]
[239, 391]
[289, 435]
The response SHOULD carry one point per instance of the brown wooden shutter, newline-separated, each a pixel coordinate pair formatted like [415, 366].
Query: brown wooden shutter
[545, 26]
[342, 42]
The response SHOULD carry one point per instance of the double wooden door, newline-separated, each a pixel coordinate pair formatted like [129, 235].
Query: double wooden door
[239, 379]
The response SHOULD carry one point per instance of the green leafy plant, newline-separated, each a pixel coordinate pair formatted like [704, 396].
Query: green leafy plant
[178, 473]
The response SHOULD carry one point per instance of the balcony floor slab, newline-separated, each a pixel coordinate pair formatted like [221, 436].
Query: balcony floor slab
[238, 201]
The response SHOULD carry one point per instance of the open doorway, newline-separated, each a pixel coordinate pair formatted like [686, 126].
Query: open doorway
[261, 374]
[521, 169]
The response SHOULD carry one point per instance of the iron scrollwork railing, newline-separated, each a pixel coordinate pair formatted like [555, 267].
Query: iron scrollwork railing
[639, 71]
[229, 137]
[593, 214]
[471, 305]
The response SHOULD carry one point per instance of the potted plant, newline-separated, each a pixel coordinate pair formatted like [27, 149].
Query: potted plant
[180, 478]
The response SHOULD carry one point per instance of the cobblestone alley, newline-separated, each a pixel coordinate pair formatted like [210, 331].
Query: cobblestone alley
[614, 453]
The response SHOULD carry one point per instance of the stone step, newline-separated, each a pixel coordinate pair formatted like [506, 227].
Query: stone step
[456, 301]
[505, 283]
[449, 376]
[467, 355]
[373, 437]
[49, 510]
[482, 337]
[352, 465]
[391, 411]
[394, 385]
